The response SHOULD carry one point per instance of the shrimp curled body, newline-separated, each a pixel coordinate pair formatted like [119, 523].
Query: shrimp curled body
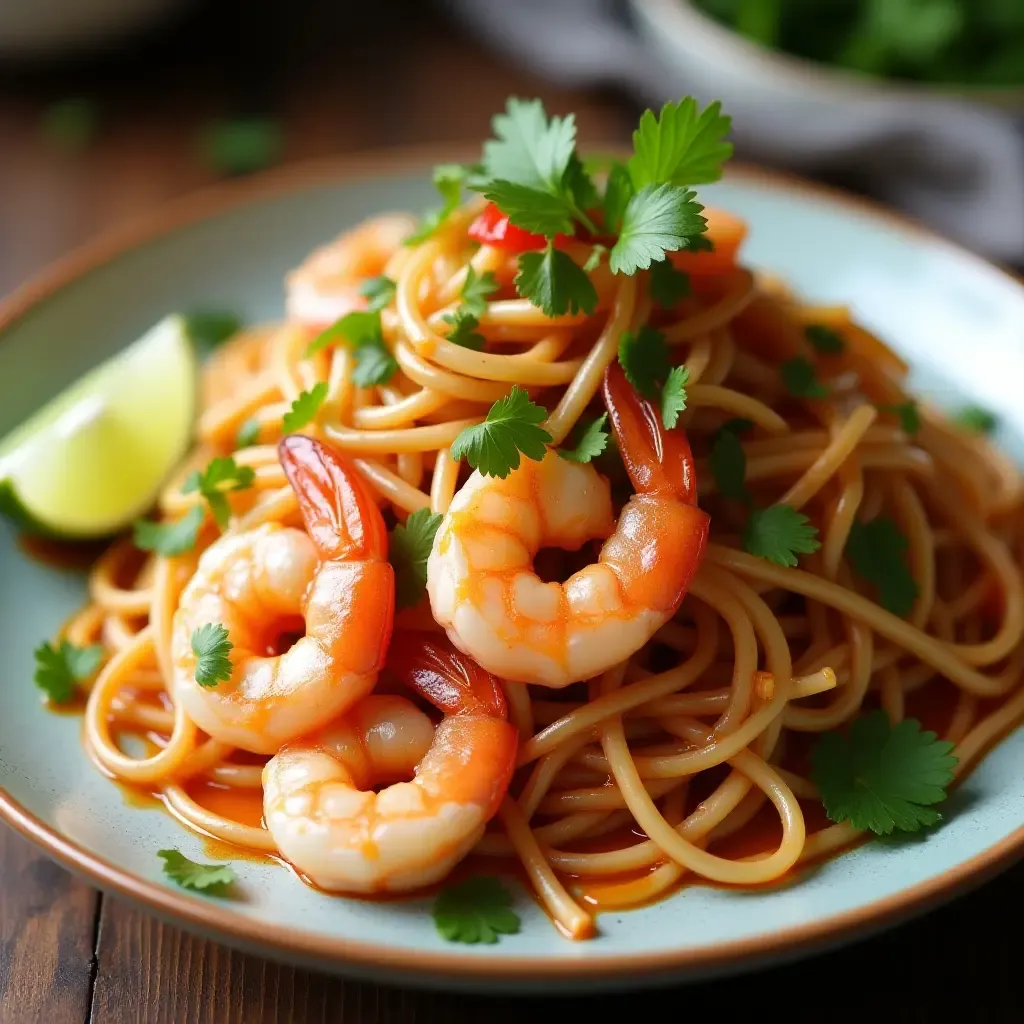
[324, 816]
[334, 584]
[480, 578]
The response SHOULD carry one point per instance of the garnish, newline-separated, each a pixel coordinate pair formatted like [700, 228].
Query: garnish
[477, 290]
[668, 285]
[879, 776]
[589, 440]
[728, 461]
[801, 381]
[617, 194]
[779, 533]
[644, 358]
[211, 646]
[362, 332]
[511, 427]
[248, 434]
[976, 419]
[680, 145]
[673, 395]
[908, 413]
[476, 910]
[70, 125]
[448, 180]
[824, 340]
[305, 408]
[212, 879]
[242, 146]
[464, 329]
[555, 283]
[877, 551]
[221, 476]
[378, 292]
[208, 329]
[60, 669]
[172, 538]
[408, 549]
[657, 220]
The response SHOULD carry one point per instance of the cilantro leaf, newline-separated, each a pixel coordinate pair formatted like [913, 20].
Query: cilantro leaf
[657, 220]
[579, 186]
[673, 395]
[378, 291]
[877, 551]
[220, 476]
[476, 910]
[448, 180]
[880, 776]
[476, 290]
[60, 669]
[617, 194]
[248, 434]
[213, 879]
[464, 329]
[908, 413]
[169, 539]
[408, 549]
[511, 427]
[680, 145]
[800, 379]
[668, 285]
[594, 259]
[361, 331]
[208, 329]
[976, 419]
[211, 646]
[644, 358]
[779, 533]
[307, 405]
[589, 441]
[824, 340]
[554, 283]
[531, 209]
[728, 461]
[529, 149]
[374, 365]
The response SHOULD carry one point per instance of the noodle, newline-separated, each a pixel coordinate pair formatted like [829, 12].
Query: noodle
[680, 752]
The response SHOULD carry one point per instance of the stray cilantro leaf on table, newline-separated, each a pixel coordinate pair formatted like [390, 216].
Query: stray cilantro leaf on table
[800, 379]
[248, 434]
[464, 329]
[673, 395]
[243, 145]
[171, 538]
[220, 476]
[779, 533]
[378, 292]
[70, 125]
[511, 427]
[728, 461]
[976, 419]
[476, 910]
[208, 329]
[476, 290]
[669, 286]
[882, 777]
[408, 549]
[211, 646]
[60, 669]
[908, 413]
[824, 340]
[554, 283]
[211, 879]
[657, 220]
[878, 552]
[680, 145]
[589, 441]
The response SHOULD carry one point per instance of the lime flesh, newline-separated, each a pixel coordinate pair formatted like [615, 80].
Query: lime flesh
[95, 457]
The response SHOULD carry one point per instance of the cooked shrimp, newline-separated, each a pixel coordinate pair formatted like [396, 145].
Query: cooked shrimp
[318, 800]
[326, 286]
[334, 583]
[480, 578]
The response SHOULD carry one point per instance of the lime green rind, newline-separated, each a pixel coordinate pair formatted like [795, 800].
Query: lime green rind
[96, 456]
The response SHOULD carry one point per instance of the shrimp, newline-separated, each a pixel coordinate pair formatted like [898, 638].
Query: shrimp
[480, 578]
[318, 801]
[333, 583]
[326, 286]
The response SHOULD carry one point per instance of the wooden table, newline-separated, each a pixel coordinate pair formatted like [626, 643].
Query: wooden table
[340, 82]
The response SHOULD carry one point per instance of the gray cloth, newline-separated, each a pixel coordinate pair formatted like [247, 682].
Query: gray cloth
[956, 166]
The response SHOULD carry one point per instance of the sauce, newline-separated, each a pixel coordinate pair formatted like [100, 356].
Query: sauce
[72, 556]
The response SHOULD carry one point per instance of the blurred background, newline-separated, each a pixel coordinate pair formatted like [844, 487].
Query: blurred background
[110, 107]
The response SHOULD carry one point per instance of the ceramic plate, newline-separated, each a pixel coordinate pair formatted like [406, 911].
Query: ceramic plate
[959, 321]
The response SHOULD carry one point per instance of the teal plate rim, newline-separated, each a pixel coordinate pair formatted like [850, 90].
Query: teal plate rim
[449, 969]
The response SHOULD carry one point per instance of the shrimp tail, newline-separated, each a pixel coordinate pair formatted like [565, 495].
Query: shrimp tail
[658, 461]
[430, 665]
[340, 514]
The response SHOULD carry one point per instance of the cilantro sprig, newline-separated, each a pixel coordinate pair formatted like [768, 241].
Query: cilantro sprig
[170, 538]
[976, 419]
[378, 292]
[361, 330]
[211, 879]
[220, 476]
[510, 428]
[408, 550]
[882, 777]
[588, 441]
[60, 669]
[877, 552]
[907, 413]
[728, 461]
[211, 646]
[476, 910]
[779, 533]
[305, 408]
[644, 359]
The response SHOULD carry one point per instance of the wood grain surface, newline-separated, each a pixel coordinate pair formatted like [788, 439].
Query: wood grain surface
[342, 77]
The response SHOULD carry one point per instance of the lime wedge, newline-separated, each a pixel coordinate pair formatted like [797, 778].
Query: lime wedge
[95, 457]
